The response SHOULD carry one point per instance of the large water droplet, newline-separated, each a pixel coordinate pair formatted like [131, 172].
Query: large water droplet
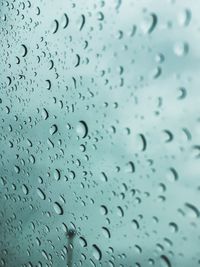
[184, 17]
[97, 252]
[164, 261]
[149, 23]
[82, 129]
[58, 209]
[40, 193]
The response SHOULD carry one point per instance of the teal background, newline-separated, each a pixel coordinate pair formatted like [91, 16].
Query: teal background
[99, 133]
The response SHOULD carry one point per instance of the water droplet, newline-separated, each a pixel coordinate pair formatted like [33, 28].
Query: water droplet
[64, 21]
[82, 129]
[164, 261]
[25, 189]
[45, 114]
[58, 209]
[181, 49]
[103, 210]
[184, 17]
[82, 242]
[130, 167]
[106, 232]
[192, 211]
[55, 26]
[24, 50]
[172, 175]
[41, 194]
[53, 129]
[135, 224]
[149, 23]
[120, 211]
[97, 252]
[104, 177]
[173, 227]
[57, 174]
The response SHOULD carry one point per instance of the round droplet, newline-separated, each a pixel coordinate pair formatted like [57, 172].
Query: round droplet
[103, 210]
[58, 209]
[82, 129]
[130, 167]
[172, 175]
[173, 227]
[184, 17]
[181, 49]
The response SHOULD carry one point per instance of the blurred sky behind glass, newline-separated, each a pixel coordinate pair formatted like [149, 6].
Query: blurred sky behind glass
[99, 136]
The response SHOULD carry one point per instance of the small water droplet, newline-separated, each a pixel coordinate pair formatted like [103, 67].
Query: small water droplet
[181, 49]
[53, 129]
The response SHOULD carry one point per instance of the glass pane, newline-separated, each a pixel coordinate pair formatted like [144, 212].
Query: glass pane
[99, 141]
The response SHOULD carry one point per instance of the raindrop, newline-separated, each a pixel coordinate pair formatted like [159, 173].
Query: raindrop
[57, 175]
[45, 114]
[130, 167]
[172, 175]
[82, 129]
[97, 252]
[58, 209]
[41, 194]
[82, 242]
[164, 261]
[106, 232]
[25, 189]
[24, 50]
[78, 60]
[149, 23]
[82, 22]
[184, 17]
[192, 211]
[53, 129]
[181, 49]
[65, 21]
[55, 26]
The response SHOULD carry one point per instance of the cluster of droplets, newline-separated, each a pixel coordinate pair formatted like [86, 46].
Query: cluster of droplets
[99, 133]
